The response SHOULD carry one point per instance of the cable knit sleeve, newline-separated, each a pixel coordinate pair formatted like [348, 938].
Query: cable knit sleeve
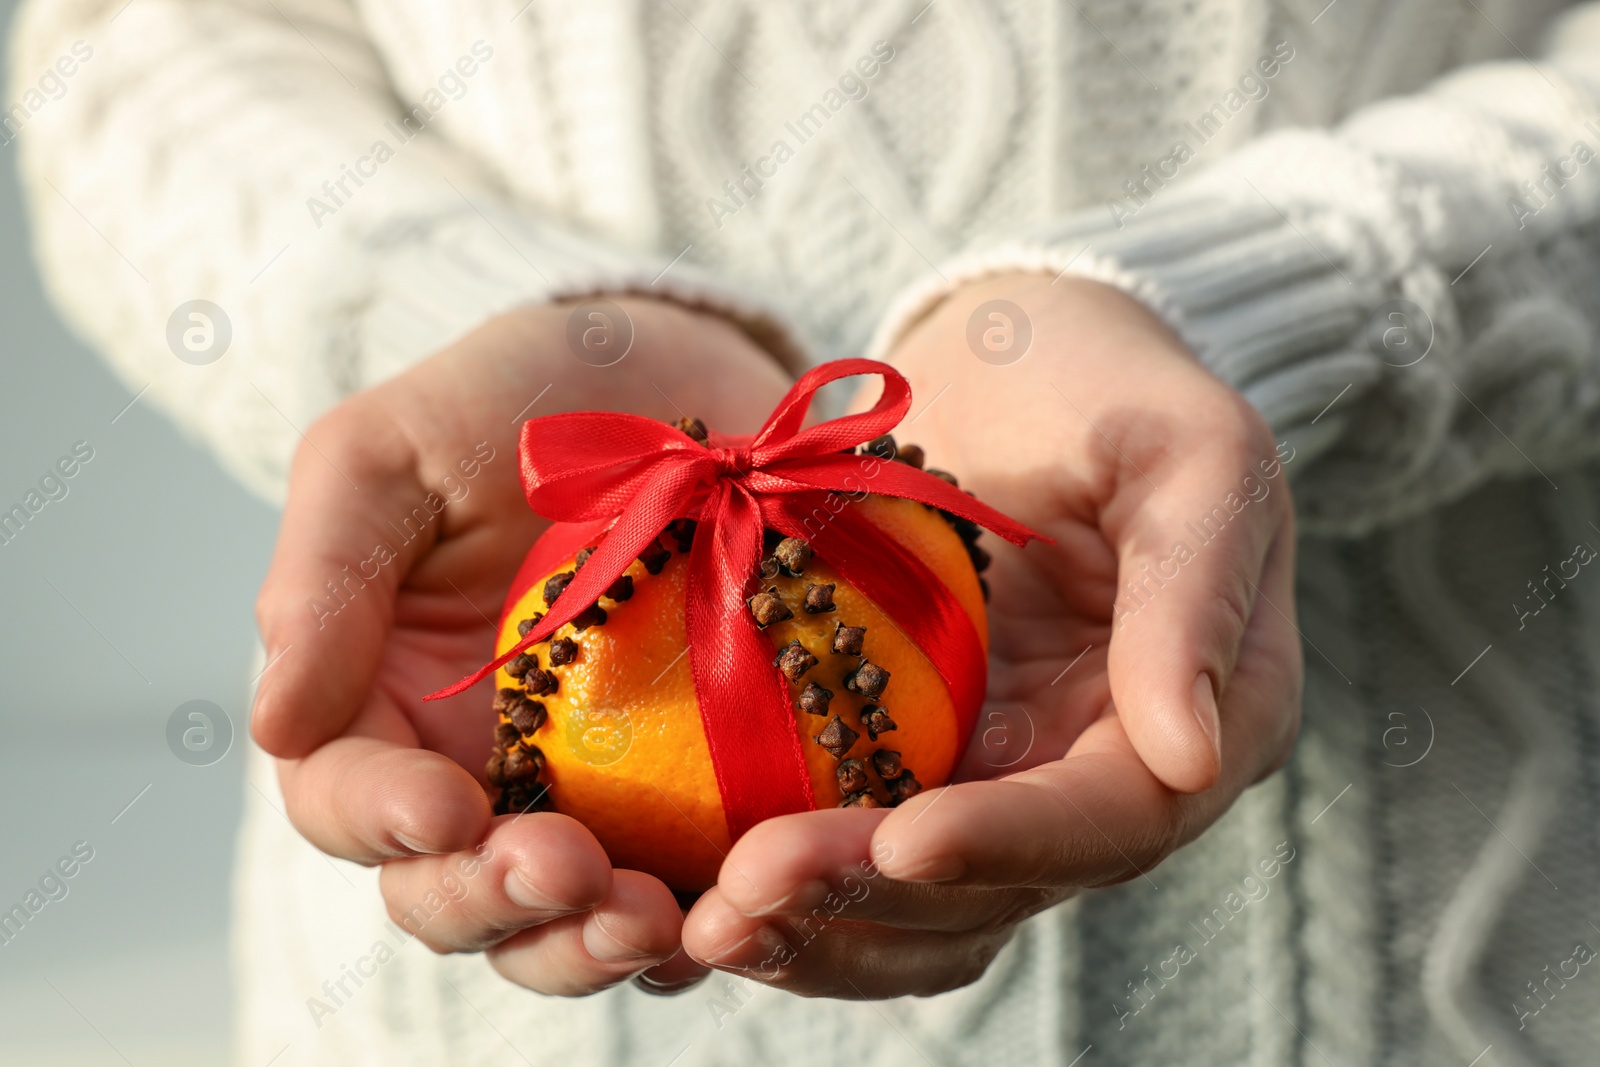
[185, 156]
[1412, 299]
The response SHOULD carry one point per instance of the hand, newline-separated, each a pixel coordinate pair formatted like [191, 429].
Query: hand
[1135, 689]
[357, 634]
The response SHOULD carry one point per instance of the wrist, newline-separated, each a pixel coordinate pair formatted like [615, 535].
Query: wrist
[1030, 326]
[729, 320]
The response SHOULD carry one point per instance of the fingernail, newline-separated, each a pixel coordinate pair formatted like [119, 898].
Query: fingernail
[1205, 712]
[411, 844]
[666, 989]
[606, 947]
[766, 945]
[524, 894]
[808, 896]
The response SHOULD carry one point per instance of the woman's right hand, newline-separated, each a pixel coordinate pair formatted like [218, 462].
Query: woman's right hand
[404, 525]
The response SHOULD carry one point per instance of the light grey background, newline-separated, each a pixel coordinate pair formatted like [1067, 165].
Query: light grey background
[120, 602]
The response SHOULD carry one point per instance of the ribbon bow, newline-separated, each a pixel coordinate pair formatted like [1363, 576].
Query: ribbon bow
[585, 469]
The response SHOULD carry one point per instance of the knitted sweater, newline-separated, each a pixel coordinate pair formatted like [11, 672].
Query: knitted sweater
[1377, 220]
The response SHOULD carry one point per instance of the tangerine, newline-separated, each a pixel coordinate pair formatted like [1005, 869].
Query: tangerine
[601, 721]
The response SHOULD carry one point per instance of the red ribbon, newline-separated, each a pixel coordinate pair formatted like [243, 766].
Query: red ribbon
[587, 468]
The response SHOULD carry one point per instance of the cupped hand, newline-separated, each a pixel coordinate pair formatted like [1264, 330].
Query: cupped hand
[1144, 669]
[404, 525]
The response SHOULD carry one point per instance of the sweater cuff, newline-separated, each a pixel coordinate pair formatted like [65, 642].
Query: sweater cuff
[437, 281]
[1309, 312]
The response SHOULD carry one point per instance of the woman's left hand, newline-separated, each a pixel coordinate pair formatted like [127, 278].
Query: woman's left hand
[1136, 687]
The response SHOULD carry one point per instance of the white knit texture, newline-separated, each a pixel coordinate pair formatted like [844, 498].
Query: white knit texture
[587, 150]
[618, 145]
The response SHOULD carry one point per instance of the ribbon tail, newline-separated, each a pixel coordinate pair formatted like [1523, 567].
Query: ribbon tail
[850, 475]
[643, 519]
[462, 685]
[745, 704]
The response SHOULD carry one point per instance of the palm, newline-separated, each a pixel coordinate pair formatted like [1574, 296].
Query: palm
[444, 629]
[1049, 625]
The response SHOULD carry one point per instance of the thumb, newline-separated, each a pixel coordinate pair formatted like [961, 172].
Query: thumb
[1190, 558]
[326, 607]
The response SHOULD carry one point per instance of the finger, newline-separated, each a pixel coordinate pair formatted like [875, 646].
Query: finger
[791, 860]
[820, 865]
[371, 799]
[1097, 817]
[637, 926]
[325, 608]
[679, 974]
[1263, 697]
[1190, 554]
[842, 958]
[529, 870]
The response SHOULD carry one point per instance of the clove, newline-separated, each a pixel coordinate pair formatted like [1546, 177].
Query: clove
[528, 716]
[794, 553]
[813, 699]
[794, 661]
[903, 789]
[495, 769]
[768, 608]
[519, 798]
[682, 531]
[593, 615]
[523, 763]
[852, 775]
[540, 682]
[563, 650]
[654, 556]
[836, 737]
[694, 428]
[876, 719]
[847, 639]
[819, 599]
[887, 763]
[868, 679]
[556, 584]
